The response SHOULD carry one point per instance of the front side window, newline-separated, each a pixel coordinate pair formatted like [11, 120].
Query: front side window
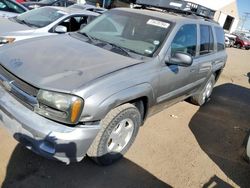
[185, 40]
[219, 32]
[74, 23]
[137, 33]
[40, 17]
[206, 40]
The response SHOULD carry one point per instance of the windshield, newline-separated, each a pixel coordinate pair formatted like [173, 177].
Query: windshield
[40, 17]
[137, 33]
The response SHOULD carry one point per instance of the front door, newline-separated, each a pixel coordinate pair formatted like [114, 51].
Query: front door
[177, 81]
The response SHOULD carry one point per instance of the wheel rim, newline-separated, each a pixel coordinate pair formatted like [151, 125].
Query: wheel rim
[120, 136]
[208, 91]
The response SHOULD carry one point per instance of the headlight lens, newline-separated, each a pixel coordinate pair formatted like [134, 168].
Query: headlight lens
[60, 107]
[6, 40]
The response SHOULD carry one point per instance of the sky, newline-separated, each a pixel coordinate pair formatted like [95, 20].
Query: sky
[244, 6]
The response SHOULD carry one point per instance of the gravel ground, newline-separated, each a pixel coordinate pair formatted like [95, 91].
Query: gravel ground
[183, 146]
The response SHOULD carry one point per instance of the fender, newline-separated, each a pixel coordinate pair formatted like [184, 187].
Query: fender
[121, 97]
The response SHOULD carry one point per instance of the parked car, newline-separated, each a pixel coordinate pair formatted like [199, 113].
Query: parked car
[227, 42]
[89, 92]
[242, 42]
[248, 149]
[111, 3]
[89, 8]
[10, 8]
[43, 3]
[43, 22]
[230, 39]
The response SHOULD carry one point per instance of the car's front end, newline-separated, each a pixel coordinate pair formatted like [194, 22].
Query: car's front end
[29, 24]
[246, 44]
[45, 137]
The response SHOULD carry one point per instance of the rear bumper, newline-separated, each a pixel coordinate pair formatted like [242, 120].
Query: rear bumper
[45, 137]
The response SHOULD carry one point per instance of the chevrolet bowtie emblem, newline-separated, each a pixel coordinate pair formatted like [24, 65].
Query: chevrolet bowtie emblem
[7, 85]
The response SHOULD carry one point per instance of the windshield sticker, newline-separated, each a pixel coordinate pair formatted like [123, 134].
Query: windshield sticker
[61, 12]
[158, 23]
[148, 51]
[156, 42]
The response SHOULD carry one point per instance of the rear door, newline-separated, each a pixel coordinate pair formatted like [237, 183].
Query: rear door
[206, 54]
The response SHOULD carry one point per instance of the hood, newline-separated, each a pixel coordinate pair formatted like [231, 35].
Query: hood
[12, 28]
[60, 63]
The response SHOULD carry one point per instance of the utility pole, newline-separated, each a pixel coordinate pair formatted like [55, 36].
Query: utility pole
[244, 19]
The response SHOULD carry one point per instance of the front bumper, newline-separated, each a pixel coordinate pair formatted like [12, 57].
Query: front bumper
[247, 46]
[45, 137]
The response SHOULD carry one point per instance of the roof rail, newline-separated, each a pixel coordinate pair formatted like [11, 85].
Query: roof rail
[178, 6]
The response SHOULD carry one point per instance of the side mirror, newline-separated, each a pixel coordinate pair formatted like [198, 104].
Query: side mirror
[180, 58]
[61, 29]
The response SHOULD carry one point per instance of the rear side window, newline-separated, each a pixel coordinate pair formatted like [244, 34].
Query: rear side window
[219, 32]
[206, 40]
[185, 40]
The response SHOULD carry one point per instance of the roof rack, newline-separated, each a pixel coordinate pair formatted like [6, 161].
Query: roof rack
[178, 6]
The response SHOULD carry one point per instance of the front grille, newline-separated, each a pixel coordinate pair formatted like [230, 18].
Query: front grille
[22, 91]
[22, 85]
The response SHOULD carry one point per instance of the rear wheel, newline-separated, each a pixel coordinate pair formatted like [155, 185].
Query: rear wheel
[203, 96]
[118, 132]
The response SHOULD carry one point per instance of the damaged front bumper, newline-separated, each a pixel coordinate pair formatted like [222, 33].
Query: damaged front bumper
[45, 137]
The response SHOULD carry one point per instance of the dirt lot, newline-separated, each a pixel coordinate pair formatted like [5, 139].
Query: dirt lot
[183, 146]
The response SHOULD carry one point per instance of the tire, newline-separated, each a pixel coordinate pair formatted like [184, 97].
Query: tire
[202, 97]
[238, 46]
[107, 146]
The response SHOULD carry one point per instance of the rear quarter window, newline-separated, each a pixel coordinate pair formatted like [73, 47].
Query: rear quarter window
[219, 32]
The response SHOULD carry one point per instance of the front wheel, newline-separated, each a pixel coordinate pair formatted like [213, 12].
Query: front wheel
[203, 96]
[118, 132]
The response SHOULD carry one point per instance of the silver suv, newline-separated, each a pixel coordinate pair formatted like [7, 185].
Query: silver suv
[89, 92]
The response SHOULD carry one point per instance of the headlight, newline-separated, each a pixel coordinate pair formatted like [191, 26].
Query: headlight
[61, 107]
[6, 40]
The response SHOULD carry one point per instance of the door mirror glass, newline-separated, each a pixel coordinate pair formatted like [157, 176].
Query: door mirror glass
[181, 59]
[61, 29]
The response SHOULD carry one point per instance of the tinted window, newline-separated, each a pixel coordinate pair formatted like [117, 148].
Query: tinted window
[206, 40]
[185, 40]
[10, 7]
[219, 32]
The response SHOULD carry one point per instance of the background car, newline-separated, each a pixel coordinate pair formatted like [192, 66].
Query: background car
[89, 7]
[43, 3]
[248, 149]
[227, 42]
[43, 22]
[231, 39]
[242, 42]
[9, 8]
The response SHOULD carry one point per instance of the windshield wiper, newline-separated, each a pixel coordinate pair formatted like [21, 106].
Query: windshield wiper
[127, 52]
[24, 22]
[88, 36]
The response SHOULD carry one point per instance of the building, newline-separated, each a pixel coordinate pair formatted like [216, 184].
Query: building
[226, 12]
